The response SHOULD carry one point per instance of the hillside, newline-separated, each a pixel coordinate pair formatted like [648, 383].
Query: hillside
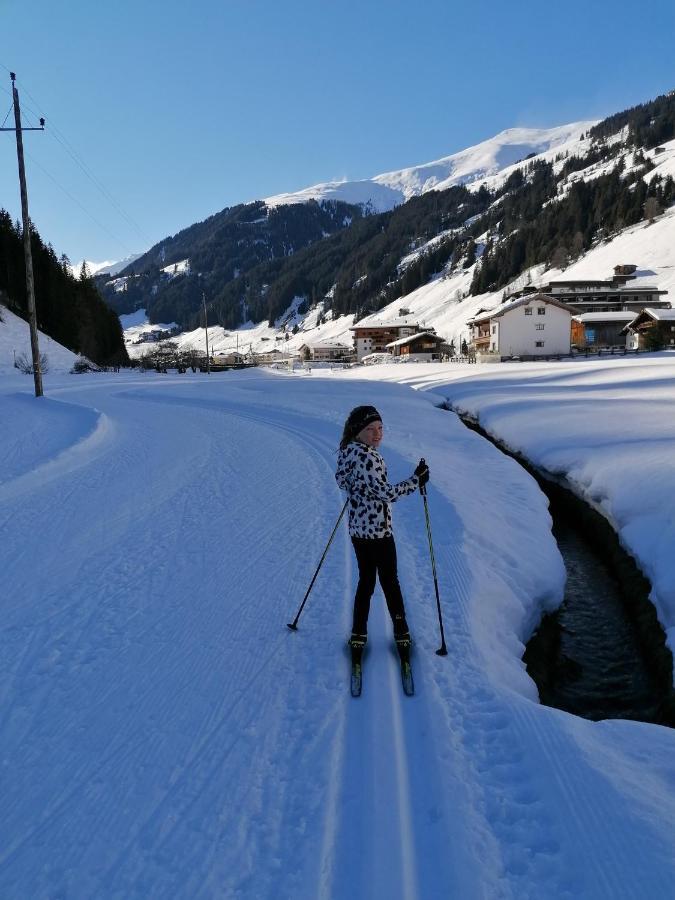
[448, 252]
[70, 310]
[245, 259]
[15, 342]
[445, 302]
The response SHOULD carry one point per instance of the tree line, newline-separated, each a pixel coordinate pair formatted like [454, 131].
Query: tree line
[71, 311]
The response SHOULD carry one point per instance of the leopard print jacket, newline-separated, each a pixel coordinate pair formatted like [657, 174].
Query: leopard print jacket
[362, 472]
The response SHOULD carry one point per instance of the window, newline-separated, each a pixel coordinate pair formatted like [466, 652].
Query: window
[528, 311]
[539, 327]
[538, 343]
[494, 329]
[541, 310]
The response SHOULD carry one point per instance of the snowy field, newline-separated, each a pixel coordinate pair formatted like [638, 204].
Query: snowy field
[165, 735]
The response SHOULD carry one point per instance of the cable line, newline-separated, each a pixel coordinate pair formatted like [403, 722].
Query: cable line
[63, 141]
[83, 208]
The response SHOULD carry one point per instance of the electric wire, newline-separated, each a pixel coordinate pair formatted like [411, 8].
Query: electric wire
[77, 203]
[65, 144]
[61, 139]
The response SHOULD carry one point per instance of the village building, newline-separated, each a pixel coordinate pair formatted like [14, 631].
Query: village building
[273, 356]
[532, 326]
[371, 335]
[424, 346]
[597, 330]
[226, 358]
[326, 351]
[627, 289]
[651, 329]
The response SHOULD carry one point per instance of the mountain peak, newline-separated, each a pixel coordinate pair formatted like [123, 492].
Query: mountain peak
[384, 192]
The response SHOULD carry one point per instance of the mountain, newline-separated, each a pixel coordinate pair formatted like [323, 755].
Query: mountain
[384, 192]
[109, 267]
[236, 255]
[450, 242]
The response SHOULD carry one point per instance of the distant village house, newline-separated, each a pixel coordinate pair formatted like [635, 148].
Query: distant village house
[372, 335]
[325, 351]
[652, 329]
[424, 346]
[598, 330]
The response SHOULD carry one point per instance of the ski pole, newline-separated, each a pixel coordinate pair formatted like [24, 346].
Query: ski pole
[294, 624]
[442, 650]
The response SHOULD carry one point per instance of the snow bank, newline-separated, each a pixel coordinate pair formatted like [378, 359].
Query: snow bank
[607, 425]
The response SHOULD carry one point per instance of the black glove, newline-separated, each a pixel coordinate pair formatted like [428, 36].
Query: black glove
[422, 472]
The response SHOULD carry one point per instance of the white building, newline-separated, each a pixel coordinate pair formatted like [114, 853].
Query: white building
[534, 325]
[326, 351]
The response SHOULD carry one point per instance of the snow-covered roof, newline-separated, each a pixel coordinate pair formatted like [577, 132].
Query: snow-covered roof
[640, 284]
[514, 304]
[374, 322]
[621, 315]
[326, 345]
[414, 337]
[663, 315]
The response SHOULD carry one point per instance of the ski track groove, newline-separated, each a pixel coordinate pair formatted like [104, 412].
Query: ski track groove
[322, 446]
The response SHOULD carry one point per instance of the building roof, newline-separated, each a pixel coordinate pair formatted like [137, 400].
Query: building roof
[621, 315]
[326, 345]
[414, 337]
[521, 301]
[396, 322]
[660, 315]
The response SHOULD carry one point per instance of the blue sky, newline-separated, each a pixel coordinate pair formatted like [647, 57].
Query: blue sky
[178, 110]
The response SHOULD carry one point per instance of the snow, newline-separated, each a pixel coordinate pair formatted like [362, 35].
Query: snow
[137, 329]
[164, 734]
[112, 267]
[178, 268]
[469, 166]
[606, 425]
[15, 341]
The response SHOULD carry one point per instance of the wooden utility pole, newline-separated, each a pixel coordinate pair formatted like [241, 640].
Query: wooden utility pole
[30, 286]
[206, 329]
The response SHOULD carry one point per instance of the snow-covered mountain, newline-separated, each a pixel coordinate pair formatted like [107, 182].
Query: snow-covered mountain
[110, 266]
[383, 192]
[444, 303]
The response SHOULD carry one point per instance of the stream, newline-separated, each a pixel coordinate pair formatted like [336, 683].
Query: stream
[603, 653]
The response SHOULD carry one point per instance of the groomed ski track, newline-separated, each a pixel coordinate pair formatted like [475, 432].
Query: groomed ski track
[165, 735]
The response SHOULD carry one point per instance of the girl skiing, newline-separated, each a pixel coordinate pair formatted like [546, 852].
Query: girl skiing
[362, 473]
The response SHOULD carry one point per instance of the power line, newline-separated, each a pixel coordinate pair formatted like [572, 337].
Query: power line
[62, 140]
[83, 208]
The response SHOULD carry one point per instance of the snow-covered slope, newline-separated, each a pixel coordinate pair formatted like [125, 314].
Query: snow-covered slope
[15, 341]
[112, 267]
[383, 192]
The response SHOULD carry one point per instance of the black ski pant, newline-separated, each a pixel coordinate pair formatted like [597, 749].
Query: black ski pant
[377, 557]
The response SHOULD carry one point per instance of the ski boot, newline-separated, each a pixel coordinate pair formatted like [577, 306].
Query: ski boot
[356, 643]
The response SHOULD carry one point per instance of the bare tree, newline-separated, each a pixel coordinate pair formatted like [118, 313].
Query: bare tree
[652, 209]
[560, 258]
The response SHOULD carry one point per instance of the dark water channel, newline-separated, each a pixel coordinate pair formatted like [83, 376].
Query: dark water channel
[602, 654]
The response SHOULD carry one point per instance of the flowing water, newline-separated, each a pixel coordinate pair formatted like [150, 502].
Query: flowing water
[602, 654]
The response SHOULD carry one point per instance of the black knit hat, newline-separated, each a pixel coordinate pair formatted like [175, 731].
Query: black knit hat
[357, 420]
